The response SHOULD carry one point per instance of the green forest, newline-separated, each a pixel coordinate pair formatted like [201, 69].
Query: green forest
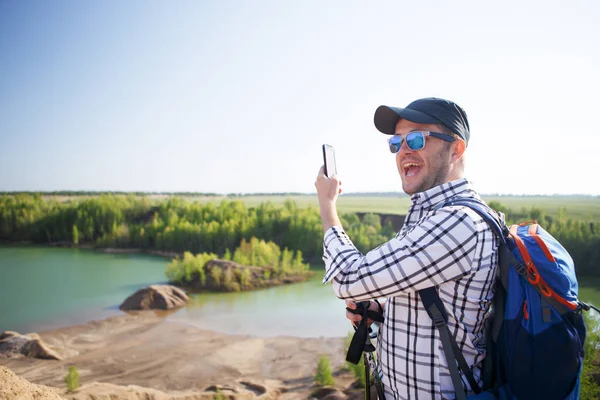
[178, 225]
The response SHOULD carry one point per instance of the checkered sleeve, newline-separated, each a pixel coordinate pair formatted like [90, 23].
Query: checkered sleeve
[438, 249]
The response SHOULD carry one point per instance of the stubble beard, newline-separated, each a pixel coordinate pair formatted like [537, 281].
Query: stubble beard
[438, 176]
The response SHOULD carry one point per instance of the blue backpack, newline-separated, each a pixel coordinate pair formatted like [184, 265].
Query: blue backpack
[536, 334]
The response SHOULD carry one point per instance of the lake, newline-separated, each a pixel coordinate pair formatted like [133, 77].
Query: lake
[44, 288]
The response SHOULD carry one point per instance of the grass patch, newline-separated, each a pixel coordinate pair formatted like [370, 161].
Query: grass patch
[579, 207]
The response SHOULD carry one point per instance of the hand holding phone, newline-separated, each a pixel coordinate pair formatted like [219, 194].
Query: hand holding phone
[329, 161]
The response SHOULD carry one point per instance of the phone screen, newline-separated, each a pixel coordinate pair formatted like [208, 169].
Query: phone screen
[329, 160]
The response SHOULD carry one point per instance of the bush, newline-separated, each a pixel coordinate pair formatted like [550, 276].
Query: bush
[219, 395]
[589, 388]
[188, 268]
[323, 377]
[234, 287]
[245, 279]
[254, 252]
[592, 339]
[72, 379]
[216, 273]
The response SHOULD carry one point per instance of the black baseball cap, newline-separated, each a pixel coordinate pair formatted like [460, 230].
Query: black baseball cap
[429, 110]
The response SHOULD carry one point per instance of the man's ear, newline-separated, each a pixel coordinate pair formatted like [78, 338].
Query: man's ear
[458, 149]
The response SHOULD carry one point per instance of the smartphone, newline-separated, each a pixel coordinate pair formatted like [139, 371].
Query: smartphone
[329, 160]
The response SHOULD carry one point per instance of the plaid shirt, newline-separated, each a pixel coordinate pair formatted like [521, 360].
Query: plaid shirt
[451, 248]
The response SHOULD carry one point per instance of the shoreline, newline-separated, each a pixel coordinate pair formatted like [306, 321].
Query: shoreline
[117, 250]
[143, 349]
[107, 250]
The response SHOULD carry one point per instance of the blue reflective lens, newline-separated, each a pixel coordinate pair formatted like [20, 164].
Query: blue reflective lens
[395, 143]
[415, 140]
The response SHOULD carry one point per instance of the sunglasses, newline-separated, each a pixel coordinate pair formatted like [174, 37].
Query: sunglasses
[415, 140]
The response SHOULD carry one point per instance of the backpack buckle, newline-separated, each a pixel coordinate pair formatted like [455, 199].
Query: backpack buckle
[439, 321]
[436, 316]
[520, 268]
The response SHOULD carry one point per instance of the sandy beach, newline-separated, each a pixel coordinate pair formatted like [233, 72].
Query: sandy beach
[140, 355]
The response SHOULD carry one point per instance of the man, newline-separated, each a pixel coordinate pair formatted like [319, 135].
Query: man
[450, 248]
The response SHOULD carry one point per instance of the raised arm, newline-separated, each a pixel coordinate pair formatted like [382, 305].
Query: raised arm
[439, 249]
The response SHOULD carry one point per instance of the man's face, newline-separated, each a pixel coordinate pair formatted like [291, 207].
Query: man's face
[426, 168]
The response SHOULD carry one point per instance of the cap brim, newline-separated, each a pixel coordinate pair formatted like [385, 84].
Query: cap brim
[387, 117]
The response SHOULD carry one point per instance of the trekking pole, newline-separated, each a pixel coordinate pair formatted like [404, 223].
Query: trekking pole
[367, 379]
[359, 347]
[370, 360]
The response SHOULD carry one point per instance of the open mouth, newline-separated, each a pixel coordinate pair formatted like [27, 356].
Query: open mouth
[411, 169]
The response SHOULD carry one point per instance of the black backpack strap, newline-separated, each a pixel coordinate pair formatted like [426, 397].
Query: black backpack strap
[587, 307]
[437, 312]
[500, 229]
[492, 331]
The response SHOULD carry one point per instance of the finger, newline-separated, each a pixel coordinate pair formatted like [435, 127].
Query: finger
[351, 304]
[321, 172]
[353, 317]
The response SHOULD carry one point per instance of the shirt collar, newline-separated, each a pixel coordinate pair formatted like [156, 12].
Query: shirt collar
[441, 193]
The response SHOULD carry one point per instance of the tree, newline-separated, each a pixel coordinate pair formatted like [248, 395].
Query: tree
[75, 235]
[323, 376]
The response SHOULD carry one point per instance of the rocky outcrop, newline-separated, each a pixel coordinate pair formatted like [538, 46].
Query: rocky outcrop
[155, 297]
[328, 393]
[13, 387]
[30, 345]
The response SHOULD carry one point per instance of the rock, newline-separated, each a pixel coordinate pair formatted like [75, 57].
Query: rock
[31, 345]
[13, 387]
[162, 297]
[328, 393]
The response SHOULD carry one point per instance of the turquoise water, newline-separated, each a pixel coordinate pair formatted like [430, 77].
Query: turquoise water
[307, 309]
[43, 288]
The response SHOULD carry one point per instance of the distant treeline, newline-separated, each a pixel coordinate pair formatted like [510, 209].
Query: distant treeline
[580, 238]
[174, 224]
[76, 193]
[178, 225]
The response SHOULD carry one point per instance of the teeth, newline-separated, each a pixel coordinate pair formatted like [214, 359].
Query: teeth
[407, 167]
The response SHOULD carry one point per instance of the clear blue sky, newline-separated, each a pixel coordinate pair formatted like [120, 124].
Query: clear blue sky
[238, 96]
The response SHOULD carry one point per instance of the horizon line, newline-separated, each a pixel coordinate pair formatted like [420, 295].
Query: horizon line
[76, 193]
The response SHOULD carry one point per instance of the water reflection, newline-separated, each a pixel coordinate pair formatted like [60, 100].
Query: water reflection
[306, 309]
